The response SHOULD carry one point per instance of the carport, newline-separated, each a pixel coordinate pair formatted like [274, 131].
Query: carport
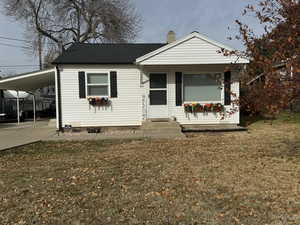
[30, 82]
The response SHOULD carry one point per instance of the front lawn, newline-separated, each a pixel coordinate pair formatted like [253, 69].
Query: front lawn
[221, 178]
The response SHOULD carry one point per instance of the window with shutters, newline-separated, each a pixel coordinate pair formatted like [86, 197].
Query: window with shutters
[97, 84]
[201, 87]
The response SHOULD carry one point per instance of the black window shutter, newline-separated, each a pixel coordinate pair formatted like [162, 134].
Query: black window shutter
[81, 81]
[113, 84]
[227, 88]
[178, 88]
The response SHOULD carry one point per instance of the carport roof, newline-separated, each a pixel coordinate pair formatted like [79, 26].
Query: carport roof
[29, 81]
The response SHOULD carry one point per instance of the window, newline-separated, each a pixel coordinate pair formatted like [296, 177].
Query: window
[201, 87]
[97, 84]
[158, 80]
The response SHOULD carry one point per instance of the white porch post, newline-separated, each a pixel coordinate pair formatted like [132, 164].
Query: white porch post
[18, 107]
[56, 99]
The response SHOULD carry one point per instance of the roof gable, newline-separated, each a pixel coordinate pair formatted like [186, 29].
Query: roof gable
[192, 49]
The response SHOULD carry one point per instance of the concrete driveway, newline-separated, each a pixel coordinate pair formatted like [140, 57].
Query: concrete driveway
[13, 135]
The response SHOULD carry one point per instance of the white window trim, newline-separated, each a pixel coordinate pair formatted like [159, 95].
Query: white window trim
[199, 73]
[100, 84]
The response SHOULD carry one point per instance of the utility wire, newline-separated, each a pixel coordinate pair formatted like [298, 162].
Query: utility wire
[16, 46]
[12, 66]
[14, 39]
[22, 40]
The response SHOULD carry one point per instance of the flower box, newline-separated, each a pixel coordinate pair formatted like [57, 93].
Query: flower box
[97, 101]
[198, 108]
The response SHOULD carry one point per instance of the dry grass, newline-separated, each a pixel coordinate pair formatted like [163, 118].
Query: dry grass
[233, 178]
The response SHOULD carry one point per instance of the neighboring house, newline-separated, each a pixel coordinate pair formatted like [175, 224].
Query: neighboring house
[8, 103]
[45, 100]
[286, 72]
[47, 92]
[125, 84]
[282, 68]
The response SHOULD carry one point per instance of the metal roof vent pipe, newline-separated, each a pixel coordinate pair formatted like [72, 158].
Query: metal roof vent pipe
[171, 37]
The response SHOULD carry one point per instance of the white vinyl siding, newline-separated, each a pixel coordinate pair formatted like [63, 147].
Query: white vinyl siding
[125, 110]
[130, 108]
[191, 52]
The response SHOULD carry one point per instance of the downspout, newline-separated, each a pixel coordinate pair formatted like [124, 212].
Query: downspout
[59, 99]
[1, 101]
[144, 94]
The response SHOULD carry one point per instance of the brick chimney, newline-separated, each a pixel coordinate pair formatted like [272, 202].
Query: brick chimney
[171, 37]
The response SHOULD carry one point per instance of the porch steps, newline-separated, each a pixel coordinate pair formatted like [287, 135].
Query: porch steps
[162, 129]
[212, 128]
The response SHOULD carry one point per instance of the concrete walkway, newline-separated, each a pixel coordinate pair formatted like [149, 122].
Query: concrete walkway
[150, 130]
[13, 135]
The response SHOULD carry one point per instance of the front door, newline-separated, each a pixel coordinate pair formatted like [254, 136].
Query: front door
[158, 107]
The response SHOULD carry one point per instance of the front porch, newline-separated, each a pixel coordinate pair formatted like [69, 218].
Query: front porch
[168, 89]
[194, 70]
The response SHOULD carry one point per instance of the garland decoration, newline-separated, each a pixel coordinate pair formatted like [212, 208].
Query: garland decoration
[96, 101]
[197, 107]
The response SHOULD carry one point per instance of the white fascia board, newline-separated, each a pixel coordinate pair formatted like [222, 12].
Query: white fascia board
[27, 75]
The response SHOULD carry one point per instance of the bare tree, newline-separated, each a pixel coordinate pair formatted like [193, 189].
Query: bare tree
[279, 44]
[63, 22]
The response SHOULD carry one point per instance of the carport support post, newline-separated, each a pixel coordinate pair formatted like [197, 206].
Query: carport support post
[18, 107]
[34, 108]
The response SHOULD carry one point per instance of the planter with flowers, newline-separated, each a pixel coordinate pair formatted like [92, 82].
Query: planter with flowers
[97, 101]
[198, 108]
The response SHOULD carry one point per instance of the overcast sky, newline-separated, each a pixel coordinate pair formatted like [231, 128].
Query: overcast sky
[209, 17]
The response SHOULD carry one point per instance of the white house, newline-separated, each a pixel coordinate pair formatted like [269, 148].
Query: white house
[187, 80]
[146, 81]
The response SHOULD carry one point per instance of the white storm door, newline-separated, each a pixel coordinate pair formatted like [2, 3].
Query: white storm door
[158, 103]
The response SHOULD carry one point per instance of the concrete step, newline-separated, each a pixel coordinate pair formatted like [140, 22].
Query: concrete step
[159, 120]
[212, 128]
[160, 125]
[162, 129]
[163, 135]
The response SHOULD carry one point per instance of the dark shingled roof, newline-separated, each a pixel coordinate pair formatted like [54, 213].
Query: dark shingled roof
[82, 53]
